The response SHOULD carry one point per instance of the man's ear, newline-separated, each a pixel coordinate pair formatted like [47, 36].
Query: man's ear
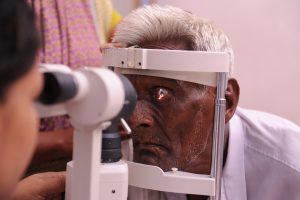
[232, 95]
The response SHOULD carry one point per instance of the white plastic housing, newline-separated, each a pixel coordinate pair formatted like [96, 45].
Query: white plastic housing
[113, 182]
[154, 178]
[192, 66]
[167, 60]
[100, 96]
[103, 101]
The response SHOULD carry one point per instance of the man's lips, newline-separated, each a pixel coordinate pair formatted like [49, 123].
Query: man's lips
[150, 146]
[149, 153]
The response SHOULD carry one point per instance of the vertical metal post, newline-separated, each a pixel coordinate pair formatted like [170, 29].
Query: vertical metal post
[218, 135]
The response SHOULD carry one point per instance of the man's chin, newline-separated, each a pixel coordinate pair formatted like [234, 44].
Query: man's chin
[151, 154]
[147, 158]
[150, 158]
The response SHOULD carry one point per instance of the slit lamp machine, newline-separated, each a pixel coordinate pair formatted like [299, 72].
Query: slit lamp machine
[98, 99]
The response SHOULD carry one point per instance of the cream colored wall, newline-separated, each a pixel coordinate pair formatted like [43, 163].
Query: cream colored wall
[266, 39]
[124, 6]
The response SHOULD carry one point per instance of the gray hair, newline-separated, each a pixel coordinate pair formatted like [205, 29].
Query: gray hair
[166, 23]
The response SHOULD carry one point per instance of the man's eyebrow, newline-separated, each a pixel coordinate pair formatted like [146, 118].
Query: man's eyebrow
[173, 82]
[179, 83]
[201, 87]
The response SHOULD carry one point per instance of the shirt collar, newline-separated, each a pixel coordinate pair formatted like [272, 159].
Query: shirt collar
[233, 181]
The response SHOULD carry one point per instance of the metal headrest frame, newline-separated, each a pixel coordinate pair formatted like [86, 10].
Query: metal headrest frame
[207, 68]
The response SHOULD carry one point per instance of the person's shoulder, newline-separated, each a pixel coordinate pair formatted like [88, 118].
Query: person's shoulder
[263, 120]
[271, 136]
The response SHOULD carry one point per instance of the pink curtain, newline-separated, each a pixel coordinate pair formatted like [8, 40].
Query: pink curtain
[68, 37]
[68, 32]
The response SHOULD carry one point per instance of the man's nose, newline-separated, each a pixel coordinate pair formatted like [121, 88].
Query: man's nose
[142, 116]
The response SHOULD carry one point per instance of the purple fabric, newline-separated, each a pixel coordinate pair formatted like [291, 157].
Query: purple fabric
[68, 37]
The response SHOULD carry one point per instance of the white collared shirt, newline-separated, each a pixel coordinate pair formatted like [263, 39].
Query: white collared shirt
[263, 160]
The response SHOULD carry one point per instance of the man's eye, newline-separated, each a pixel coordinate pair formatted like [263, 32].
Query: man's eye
[162, 95]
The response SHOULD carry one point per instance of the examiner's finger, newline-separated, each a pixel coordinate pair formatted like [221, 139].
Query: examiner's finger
[41, 186]
[111, 45]
[51, 182]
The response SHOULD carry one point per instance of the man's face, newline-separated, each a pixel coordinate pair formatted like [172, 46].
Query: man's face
[172, 124]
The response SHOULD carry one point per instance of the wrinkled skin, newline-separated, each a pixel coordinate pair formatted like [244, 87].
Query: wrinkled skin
[173, 120]
[172, 124]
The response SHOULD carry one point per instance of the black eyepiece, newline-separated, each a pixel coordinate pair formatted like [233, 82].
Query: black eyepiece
[111, 139]
[58, 87]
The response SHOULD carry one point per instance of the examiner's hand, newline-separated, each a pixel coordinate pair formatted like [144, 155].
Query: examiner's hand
[111, 45]
[44, 186]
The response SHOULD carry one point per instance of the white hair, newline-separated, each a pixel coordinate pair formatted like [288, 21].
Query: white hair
[170, 24]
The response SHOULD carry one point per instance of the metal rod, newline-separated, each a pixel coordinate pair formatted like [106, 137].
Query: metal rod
[218, 135]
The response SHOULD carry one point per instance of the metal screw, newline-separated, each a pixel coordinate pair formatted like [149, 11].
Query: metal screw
[174, 169]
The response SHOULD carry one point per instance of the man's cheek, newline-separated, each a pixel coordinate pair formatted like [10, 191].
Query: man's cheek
[195, 140]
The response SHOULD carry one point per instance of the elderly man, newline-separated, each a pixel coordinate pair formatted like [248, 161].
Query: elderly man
[173, 120]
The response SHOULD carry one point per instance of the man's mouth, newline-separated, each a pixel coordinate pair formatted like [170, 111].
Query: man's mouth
[149, 153]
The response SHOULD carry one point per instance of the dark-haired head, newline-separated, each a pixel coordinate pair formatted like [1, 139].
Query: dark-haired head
[19, 42]
[20, 84]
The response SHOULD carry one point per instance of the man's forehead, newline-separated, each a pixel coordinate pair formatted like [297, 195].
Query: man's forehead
[154, 80]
